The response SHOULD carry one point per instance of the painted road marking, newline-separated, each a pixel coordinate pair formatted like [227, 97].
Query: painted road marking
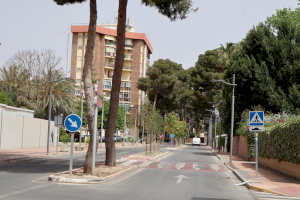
[180, 177]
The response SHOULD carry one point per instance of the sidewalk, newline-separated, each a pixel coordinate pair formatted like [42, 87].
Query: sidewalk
[13, 155]
[268, 180]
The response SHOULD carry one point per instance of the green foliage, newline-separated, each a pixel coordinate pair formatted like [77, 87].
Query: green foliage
[64, 136]
[152, 119]
[175, 126]
[281, 142]
[25, 79]
[267, 70]
[63, 2]
[292, 16]
[120, 119]
[5, 100]
[173, 9]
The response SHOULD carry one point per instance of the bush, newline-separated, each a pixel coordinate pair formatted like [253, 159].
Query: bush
[281, 142]
[65, 138]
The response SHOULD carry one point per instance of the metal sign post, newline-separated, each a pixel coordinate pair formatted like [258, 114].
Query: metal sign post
[58, 123]
[256, 123]
[256, 154]
[171, 136]
[72, 123]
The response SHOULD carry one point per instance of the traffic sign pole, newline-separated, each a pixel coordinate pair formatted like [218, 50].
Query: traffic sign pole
[256, 154]
[71, 155]
[94, 137]
[72, 123]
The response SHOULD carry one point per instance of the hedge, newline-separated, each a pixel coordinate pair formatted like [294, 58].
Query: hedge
[281, 142]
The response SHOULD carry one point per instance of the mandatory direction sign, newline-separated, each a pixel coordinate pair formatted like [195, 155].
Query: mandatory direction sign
[73, 123]
[171, 135]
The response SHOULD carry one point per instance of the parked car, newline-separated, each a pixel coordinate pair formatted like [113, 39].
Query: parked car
[77, 135]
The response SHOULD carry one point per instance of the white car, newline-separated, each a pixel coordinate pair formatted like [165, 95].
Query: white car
[196, 141]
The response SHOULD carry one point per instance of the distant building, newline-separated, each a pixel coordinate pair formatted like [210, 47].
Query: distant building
[136, 61]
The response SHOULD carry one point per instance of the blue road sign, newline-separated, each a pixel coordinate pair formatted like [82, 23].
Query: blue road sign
[171, 135]
[72, 123]
[256, 118]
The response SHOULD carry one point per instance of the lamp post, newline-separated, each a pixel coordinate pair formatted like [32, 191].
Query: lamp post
[81, 92]
[232, 111]
[102, 119]
[49, 109]
[124, 127]
[131, 107]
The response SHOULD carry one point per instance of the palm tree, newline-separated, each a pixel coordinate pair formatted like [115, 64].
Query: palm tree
[225, 53]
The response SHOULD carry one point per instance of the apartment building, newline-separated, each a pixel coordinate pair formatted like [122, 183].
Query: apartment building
[136, 61]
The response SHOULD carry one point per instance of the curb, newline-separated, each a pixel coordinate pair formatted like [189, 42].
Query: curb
[97, 180]
[248, 185]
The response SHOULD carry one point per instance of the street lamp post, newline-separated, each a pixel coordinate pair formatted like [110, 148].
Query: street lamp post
[102, 122]
[131, 107]
[232, 111]
[81, 117]
[49, 109]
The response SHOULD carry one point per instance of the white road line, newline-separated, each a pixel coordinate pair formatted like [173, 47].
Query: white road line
[163, 157]
[117, 181]
[4, 196]
[129, 162]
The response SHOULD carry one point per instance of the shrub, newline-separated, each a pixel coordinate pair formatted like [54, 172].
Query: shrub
[65, 138]
[281, 141]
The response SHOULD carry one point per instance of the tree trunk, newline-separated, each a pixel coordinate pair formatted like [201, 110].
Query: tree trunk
[88, 85]
[155, 99]
[150, 144]
[110, 159]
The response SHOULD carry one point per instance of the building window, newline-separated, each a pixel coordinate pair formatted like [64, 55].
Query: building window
[79, 58]
[126, 105]
[79, 46]
[126, 86]
[125, 96]
[107, 84]
[110, 42]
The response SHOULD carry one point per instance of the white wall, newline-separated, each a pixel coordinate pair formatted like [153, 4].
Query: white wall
[11, 131]
[18, 132]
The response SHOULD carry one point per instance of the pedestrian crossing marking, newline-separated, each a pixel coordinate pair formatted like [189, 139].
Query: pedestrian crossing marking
[174, 166]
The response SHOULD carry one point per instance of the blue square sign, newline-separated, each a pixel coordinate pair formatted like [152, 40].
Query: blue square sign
[256, 118]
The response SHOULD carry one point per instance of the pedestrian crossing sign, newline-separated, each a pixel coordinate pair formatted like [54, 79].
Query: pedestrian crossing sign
[256, 118]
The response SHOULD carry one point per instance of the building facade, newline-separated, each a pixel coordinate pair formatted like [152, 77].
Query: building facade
[136, 60]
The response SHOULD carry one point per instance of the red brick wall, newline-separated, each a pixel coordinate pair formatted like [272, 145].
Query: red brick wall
[239, 146]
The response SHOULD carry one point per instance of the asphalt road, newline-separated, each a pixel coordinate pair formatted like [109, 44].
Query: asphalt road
[191, 173]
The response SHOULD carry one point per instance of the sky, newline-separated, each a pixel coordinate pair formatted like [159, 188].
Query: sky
[41, 24]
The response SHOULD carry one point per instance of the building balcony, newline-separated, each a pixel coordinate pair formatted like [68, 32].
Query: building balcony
[127, 57]
[110, 43]
[128, 45]
[127, 68]
[110, 54]
[107, 84]
[108, 65]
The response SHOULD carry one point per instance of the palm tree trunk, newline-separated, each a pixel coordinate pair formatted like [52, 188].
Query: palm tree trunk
[110, 159]
[88, 85]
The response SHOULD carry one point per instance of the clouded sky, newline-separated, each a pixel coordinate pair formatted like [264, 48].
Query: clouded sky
[42, 24]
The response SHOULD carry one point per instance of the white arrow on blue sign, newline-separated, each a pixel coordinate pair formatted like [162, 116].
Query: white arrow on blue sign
[73, 123]
[171, 135]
